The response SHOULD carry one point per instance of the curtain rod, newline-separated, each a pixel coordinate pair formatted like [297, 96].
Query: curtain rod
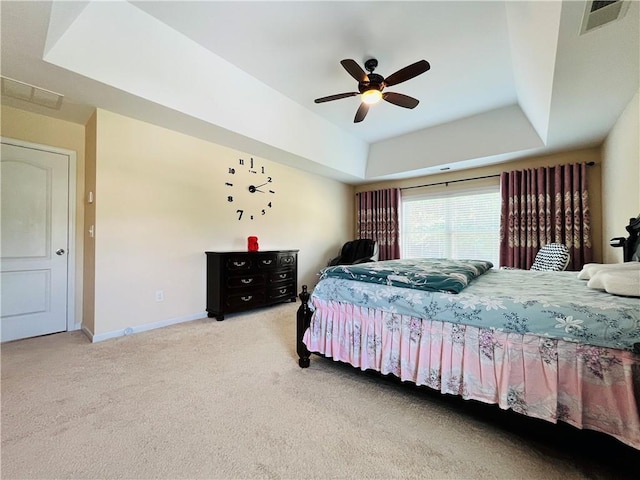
[589, 164]
[450, 181]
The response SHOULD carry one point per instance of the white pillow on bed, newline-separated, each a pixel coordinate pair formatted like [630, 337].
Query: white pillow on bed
[618, 282]
[590, 269]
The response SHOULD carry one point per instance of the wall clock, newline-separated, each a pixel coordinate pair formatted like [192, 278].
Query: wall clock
[249, 189]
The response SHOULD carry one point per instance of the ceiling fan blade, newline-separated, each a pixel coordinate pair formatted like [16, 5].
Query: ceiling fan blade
[336, 97]
[361, 113]
[401, 100]
[354, 70]
[407, 73]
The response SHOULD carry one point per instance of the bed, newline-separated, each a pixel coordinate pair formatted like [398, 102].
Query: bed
[542, 344]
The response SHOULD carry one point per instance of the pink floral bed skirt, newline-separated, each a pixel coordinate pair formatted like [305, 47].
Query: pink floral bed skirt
[552, 379]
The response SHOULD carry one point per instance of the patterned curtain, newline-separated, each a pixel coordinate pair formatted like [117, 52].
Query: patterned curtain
[377, 218]
[541, 206]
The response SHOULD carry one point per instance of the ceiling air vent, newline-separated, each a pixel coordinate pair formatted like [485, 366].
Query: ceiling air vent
[599, 13]
[30, 93]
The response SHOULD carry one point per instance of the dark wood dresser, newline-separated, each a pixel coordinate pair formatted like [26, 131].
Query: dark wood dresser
[238, 281]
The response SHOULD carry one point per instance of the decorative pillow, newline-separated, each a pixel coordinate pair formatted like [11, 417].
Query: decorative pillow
[617, 282]
[590, 269]
[553, 257]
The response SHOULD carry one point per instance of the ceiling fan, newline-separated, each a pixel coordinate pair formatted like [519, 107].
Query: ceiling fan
[371, 86]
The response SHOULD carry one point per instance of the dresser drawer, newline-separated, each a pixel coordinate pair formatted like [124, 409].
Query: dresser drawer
[248, 280]
[246, 299]
[264, 262]
[238, 262]
[286, 290]
[286, 260]
[281, 276]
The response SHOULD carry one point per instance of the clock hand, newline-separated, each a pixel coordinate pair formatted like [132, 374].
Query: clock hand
[262, 185]
[253, 189]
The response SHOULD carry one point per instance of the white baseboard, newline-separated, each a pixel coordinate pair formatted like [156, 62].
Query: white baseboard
[87, 332]
[141, 328]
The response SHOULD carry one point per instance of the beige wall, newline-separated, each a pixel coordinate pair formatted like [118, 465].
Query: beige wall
[574, 156]
[34, 128]
[161, 202]
[88, 307]
[620, 178]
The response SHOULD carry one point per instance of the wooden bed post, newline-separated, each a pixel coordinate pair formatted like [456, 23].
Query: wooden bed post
[303, 321]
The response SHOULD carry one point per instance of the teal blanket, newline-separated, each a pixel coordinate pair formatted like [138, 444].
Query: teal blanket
[433, 275]
[556, 305]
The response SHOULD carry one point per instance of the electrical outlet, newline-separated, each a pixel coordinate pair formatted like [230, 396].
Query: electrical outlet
[159, 295]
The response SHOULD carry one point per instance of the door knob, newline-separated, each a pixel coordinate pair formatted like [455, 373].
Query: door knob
[60, 251]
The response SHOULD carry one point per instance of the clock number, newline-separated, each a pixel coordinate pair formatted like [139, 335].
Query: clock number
[263, 170]
[229, 198]
[269, 180]
[251, 162]
[269, 205]
[232, 170]
[263, 212]
[241, 161]
[240, 212]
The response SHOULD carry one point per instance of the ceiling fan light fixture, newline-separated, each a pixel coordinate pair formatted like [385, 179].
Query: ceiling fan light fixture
[371, 96]
[371, 85]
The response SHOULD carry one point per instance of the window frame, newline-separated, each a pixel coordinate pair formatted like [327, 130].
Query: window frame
[448, 191]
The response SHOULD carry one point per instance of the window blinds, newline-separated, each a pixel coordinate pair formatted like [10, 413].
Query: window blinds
[464, 224]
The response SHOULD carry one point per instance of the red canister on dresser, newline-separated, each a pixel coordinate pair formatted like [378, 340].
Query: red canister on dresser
[252, 244]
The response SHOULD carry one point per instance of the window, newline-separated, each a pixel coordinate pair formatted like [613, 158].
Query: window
[462, 224]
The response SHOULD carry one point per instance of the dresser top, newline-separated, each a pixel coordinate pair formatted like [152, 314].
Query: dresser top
[252, 253]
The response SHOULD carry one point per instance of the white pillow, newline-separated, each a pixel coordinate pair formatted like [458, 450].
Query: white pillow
[590, 269]
[597, 280]
[617, 282]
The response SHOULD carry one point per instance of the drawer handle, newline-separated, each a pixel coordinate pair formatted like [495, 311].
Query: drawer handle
[239, 264]
[247, 298]
[283, 275]
[283, 290]
[246, 280]
[267, 262]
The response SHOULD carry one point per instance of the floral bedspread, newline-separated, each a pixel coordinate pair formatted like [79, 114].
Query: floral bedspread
[421, 274]
[555, 380]
[555, 305]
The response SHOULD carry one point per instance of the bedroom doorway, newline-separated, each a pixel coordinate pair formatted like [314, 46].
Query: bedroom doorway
[35, 240]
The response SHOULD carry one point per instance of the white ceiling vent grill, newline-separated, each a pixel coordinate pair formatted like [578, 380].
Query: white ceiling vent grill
[599, 13]
[30, 93]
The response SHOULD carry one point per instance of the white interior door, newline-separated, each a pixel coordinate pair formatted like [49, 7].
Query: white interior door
[34, 244]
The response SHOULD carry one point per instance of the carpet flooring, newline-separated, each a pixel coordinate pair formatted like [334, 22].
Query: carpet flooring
[227, 400]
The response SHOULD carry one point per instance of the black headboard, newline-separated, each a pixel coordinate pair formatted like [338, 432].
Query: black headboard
[631, 244]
